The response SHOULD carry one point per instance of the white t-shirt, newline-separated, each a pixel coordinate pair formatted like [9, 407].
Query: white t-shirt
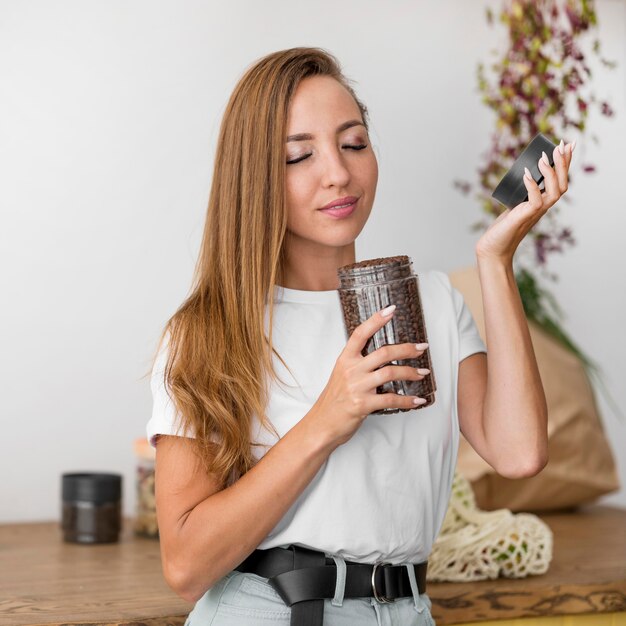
[382, 495]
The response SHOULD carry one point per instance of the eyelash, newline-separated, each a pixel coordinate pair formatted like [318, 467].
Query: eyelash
[302, 158]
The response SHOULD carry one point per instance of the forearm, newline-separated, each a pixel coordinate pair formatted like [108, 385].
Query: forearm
[515, 410]
[224, 529]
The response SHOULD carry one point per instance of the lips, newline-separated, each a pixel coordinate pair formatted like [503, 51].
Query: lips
[339, 212]
[340, 202]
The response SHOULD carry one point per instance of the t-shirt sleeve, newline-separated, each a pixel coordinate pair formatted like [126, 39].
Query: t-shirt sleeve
[470, 340]
[165, 419]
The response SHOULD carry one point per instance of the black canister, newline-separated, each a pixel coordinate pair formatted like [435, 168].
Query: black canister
[369, 286]
[92, 511]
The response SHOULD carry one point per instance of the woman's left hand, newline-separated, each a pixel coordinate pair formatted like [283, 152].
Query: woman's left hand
[501, 239]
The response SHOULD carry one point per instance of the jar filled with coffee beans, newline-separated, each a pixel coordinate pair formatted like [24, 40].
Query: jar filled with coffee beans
[371, 285]
[145, 523]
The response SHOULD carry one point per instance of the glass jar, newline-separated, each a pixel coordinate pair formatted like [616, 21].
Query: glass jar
[371, 285]
[92, 510]
[145, 519]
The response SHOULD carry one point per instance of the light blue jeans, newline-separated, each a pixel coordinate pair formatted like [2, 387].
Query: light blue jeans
[245, 599]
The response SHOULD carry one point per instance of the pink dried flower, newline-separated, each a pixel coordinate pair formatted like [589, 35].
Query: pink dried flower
[539, 77]
[607, 110]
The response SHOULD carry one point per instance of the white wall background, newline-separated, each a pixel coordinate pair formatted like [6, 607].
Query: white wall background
[109, 113]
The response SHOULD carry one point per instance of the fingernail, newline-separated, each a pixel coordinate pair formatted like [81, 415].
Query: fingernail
[419, 400]
[573, 146]
[544, 156]
[527, 173]
[388, 311]
[562, 147]
[422, 371]
[421, 346]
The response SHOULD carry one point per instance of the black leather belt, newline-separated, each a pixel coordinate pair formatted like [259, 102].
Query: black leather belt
[304, 577]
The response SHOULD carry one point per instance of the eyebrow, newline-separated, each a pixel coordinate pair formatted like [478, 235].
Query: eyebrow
[341, 127]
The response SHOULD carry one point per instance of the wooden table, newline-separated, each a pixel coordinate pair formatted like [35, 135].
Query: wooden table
[586, 578]
[44, 580]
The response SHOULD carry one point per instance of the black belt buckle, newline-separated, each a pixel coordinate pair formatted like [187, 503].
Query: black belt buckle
[381, 598]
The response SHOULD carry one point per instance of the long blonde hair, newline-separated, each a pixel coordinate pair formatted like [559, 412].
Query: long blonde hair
[219, 356]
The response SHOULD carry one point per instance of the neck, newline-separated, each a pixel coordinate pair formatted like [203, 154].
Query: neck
[312, 271]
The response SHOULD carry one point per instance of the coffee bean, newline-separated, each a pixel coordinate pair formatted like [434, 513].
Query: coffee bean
[369, 286]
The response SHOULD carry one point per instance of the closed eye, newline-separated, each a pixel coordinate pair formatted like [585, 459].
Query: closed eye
[302, 158]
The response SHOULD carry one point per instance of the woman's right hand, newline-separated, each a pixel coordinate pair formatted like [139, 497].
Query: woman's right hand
[350, 394]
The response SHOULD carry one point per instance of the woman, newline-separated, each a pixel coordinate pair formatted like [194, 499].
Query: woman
[280, 497]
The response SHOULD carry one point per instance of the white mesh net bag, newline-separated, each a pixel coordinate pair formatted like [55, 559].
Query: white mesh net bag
[478, 545]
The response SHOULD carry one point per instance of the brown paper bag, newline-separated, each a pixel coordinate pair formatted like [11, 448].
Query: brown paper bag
[581, 466]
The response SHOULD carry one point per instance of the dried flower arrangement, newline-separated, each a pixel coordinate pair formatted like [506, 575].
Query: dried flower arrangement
[538, 87]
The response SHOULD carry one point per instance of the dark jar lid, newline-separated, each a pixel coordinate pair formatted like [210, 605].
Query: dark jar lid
[511, 190]
[92, 487]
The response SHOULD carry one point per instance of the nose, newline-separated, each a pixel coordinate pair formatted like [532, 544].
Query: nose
[335, 170]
